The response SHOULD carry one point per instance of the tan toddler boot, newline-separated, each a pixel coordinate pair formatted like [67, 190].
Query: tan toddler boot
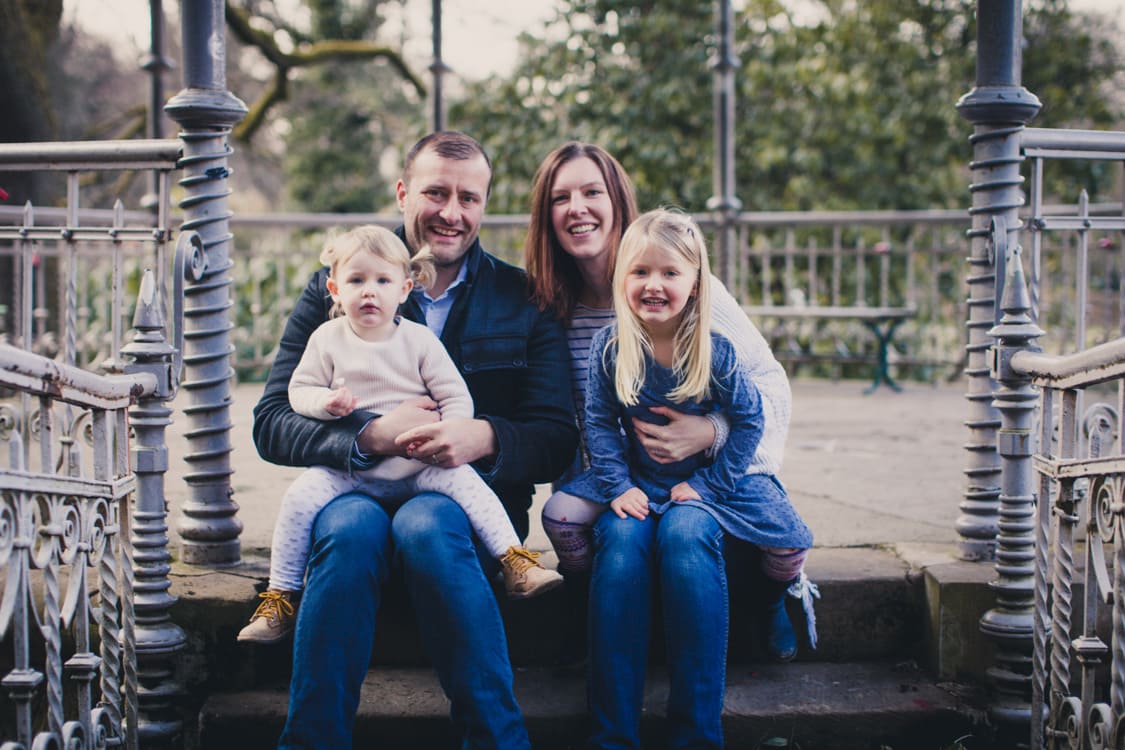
[524, 577]
[274, 618]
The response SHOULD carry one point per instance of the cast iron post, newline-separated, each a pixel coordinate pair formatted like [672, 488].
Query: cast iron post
[438, 69]
[724, 203]
[1010, 623]
[999, 108]
[155, 64]
[159, 640]
[206, 111]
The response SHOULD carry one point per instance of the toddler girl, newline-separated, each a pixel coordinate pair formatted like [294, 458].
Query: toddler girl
[369, 358]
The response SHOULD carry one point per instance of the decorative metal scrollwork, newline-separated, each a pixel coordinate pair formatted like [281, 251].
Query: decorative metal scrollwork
[47, 741]
[1100, 727]
[9, 525]
[102, 728]
[1099, 428]
[1119, 734]
[9, 422]
[1067, 726]
[1106, 494]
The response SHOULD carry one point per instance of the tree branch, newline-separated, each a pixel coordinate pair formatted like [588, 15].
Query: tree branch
[306, 55]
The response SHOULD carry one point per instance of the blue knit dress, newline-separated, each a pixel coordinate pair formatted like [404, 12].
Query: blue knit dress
[753, 507]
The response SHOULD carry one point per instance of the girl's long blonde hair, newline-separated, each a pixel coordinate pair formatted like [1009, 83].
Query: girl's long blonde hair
[382, 243]
[674, 232]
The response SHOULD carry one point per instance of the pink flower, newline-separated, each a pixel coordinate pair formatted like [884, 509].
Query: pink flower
[882, 248]
[1107, 243]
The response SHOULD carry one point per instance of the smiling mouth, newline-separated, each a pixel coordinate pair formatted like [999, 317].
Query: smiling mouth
[581, 229]
[445, 231]
[651, 302]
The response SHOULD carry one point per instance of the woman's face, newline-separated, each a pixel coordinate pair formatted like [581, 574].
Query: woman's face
[581, 210]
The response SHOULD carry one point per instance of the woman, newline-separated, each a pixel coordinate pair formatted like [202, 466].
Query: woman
[582, 201]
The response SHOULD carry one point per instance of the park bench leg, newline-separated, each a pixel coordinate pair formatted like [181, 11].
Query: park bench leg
[884, 337]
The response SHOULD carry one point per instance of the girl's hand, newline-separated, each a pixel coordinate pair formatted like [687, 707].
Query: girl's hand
[632, 502]
[683, 491]
[683, 436]
[341, 402]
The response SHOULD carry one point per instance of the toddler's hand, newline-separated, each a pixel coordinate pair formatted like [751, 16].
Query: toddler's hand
[684, 491]
[632, 502]
[341, 402]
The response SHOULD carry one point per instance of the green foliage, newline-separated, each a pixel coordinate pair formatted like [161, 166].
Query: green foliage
[848, 105]
[28, 28]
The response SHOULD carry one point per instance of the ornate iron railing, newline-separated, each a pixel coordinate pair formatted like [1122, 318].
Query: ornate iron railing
[1061, 554]
[68, 583]
[1060, 550]
[63, 512]
[876, 258]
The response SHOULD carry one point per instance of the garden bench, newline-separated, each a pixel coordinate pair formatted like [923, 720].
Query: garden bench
[881, 321]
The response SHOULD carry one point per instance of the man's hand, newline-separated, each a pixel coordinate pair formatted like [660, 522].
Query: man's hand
[632, 502]
[684, 491]
[341, 402]
[378, 438]
[683, 436]
[450, 442]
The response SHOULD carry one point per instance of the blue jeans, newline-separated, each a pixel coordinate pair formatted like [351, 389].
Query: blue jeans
[444, 569]
[682, 553]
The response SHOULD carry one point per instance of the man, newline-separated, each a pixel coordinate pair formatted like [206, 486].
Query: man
[524, 432]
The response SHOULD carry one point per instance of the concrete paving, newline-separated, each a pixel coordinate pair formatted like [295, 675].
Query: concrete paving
[863, 470]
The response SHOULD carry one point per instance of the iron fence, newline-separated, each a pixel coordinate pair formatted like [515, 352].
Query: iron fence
[67, 611]
[878, 259]
[83, 548]
[1061, 543]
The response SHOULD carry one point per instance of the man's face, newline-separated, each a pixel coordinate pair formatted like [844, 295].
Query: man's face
[444, 203]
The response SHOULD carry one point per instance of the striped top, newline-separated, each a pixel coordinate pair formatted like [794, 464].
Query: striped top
[584, 323]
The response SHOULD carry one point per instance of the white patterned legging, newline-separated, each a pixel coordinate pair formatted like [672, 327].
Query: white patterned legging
[318, 486]
[569, 521]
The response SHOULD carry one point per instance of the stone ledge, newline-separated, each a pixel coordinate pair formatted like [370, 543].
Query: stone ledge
[845, 706]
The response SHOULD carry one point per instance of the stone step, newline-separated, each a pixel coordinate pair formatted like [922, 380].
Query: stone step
[836, 706]
[872, 605]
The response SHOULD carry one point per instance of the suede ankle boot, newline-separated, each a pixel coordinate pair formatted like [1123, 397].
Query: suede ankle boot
[781, 639]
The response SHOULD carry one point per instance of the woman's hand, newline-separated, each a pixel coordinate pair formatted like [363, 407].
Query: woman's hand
[632, 502]
[684, 491]
[683, 436]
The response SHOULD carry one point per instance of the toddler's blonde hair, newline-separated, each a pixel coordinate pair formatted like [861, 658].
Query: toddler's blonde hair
[673, 232]
[382, 243]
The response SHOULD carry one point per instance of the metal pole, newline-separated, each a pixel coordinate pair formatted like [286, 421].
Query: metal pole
[724, 202]
[438, 69]
[999, 108]
[206, 110]
[1011, 622]
[155, 64]
[159, 639]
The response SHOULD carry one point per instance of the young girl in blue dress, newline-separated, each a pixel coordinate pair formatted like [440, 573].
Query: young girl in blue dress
[661, 352]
